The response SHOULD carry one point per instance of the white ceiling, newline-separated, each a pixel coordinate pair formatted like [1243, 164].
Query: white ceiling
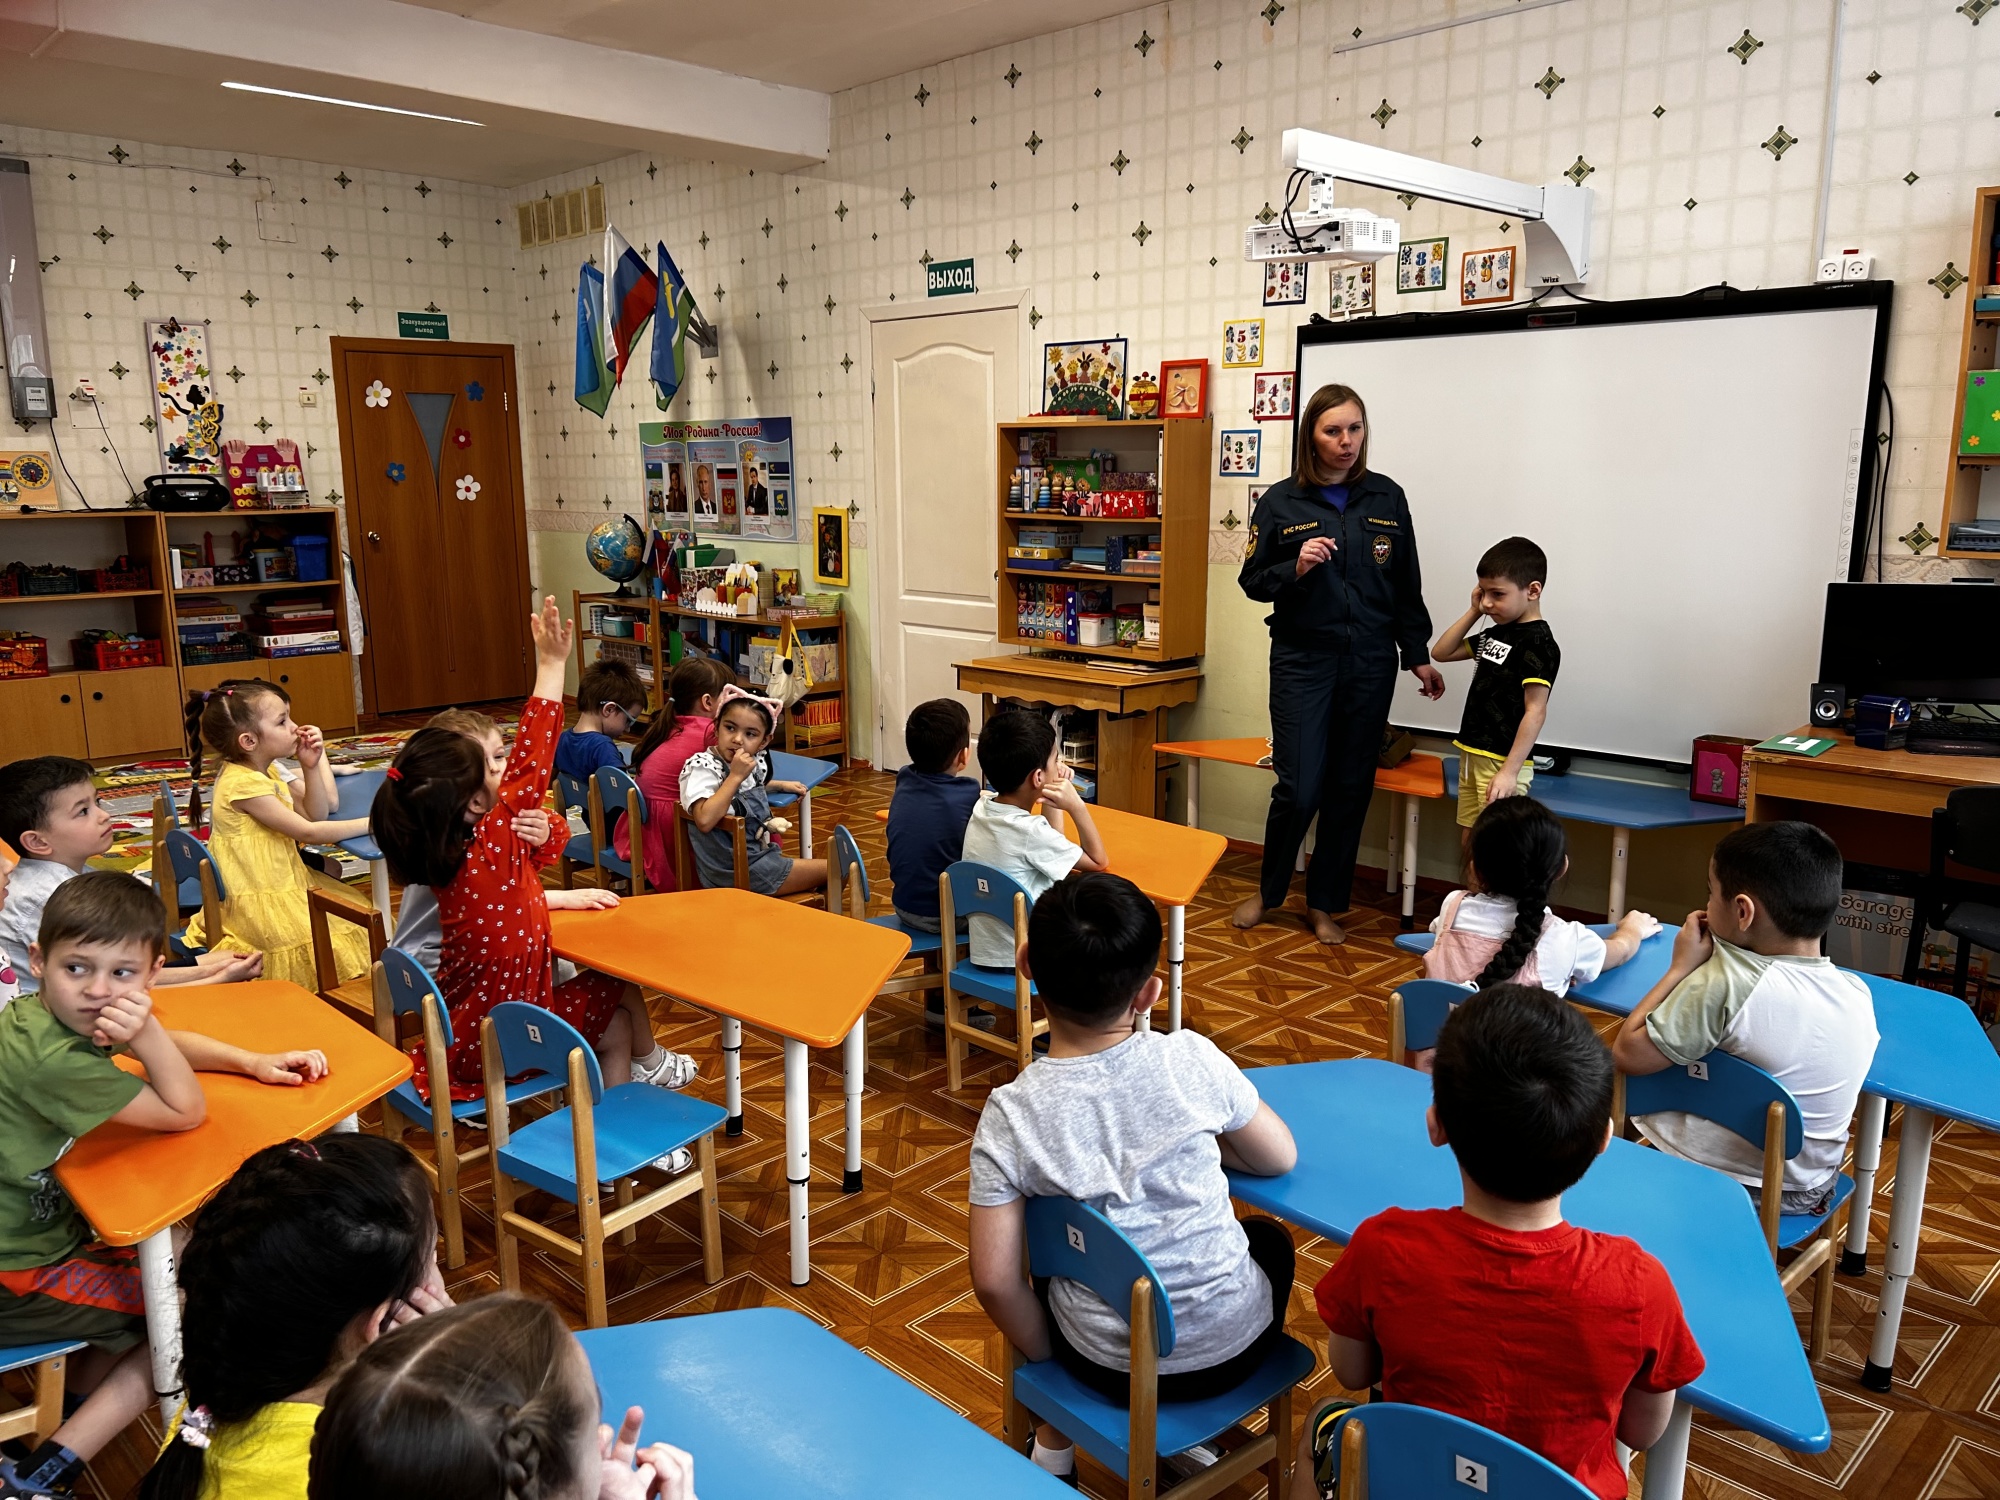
[827, 45]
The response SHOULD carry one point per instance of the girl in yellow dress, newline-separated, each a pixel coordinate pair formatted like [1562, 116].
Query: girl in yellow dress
[255, 829]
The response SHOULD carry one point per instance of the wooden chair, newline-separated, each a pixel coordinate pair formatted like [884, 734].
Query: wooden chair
[403, 987]
[601, 1135]
[688, 875]
[580, 848]
[968, 889]
[1070, 1239]
[613, 787]
[1417, 1011]
[1397, 1452]
[42, 1416]
[847, 890]
[1742, 1098]
[166, 818]
[190, 865]
[323, 907]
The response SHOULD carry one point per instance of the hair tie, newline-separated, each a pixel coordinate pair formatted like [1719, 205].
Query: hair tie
[197, 1425]
[393, 774]
[305, 1150]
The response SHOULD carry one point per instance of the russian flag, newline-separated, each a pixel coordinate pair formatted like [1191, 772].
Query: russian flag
[631, 291]
[593, 379]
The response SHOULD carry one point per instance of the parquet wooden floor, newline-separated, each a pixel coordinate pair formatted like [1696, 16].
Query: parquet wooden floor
[889, 1261]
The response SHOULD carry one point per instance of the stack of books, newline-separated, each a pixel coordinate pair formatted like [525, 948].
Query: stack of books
[295, 627]
[210, 630]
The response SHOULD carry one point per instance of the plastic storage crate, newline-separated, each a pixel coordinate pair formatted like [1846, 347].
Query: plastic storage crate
[94, 654]
[23, 655]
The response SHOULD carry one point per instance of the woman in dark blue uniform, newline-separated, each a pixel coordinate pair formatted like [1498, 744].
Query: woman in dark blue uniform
[1333, 552]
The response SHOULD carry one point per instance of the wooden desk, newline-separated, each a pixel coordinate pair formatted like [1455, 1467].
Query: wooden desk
[1129, 707]
[1876, 804]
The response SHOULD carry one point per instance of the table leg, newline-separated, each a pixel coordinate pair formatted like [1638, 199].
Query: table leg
[1176, 957]
[163, 1318]
[1621, 852]
[798, 1155]
[378, 887]
[1667, 1460]
[1906, 1217]
[1412, 812]
[1395, 843]
[806, 824]
[1193, 792]
[1867, 1159]
[732, 1074]
[854, 1068]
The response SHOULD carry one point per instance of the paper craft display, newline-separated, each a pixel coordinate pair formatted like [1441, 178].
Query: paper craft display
[1420, 265]
[1979, 428]
[263, 474]
[1350, 290]
[26, 479]
[184, 406]
[1486, 276]
[1285, 283]
[1241, 451]
[1271, 398]
[1243, 344]
[1142, 400]
[1084, 380]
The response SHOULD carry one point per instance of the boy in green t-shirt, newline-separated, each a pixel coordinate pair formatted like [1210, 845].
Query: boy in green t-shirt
[98, 951]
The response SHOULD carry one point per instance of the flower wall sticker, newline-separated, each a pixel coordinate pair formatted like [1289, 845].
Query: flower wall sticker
[475, 392]
[377, 394]
[396, 473]
[460, 438]
[468, 487]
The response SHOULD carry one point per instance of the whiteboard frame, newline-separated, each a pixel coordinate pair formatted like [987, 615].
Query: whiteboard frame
[1710, 302]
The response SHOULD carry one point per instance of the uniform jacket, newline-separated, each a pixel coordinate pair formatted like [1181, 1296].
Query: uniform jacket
[1366, 595]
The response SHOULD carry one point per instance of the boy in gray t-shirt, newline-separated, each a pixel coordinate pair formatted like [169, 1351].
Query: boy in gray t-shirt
[1139, 1125]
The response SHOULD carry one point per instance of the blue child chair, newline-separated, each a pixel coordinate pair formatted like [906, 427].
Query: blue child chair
[43, 1415]
[847, 889]
[600, 1135]
[403, 987]
[1417, 1011]
[573, 793]
[967, 889]
[194, 878]
[612, 791]
[1413, 1453]
[1072, 1240]
[1745, 1100]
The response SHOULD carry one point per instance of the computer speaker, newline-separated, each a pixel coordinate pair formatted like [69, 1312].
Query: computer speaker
[1829, 704]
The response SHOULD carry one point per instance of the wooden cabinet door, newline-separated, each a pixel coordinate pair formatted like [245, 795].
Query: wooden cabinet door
[322, 689]
[41, 716]
[134, 712]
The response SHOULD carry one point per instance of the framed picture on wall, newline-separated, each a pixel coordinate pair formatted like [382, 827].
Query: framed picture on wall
[1284, 283]
[1350, 290]
[1184, 388]
[1241, 452]
[1486, 276]
[1420, 265]
[1272, 395]
[1084, 380]
[829, 545]
[1243, 344]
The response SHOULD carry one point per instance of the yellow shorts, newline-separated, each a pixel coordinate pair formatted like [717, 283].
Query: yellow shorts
[1475, 775]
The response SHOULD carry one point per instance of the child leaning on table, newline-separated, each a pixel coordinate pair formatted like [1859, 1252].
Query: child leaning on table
[1139, 1125]
[51, 817]
[1424, 1302]
[493, 1398]
[334, 1242]
[1747, 976]
[96, 954]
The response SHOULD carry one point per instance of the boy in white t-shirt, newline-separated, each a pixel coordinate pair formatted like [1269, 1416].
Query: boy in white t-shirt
[1139, 1125]
[1748, 977]
[1017, 754]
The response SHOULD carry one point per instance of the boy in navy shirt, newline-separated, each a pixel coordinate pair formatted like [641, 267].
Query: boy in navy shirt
[932, 805]
[610, 701]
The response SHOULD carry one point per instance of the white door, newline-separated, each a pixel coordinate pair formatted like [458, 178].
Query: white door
[941, 385]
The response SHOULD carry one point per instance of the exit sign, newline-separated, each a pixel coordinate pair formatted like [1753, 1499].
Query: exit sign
[422, 325]
[949, 278]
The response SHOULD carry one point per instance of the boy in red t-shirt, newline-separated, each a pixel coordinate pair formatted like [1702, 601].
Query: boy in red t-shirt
[1565, 1340]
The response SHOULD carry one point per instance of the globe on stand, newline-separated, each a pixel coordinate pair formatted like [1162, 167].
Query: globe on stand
[617, 549]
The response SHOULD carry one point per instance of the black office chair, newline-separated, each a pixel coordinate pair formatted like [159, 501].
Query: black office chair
[1965, 831]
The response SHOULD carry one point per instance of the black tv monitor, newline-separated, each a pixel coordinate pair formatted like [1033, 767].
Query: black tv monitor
[1919, 641]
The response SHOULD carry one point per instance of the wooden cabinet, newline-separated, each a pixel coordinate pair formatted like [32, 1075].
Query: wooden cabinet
[134, 712]
[322, 687]
[41, 716]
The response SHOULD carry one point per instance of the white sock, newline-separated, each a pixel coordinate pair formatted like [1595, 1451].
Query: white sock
[652, 1059]
[1055, 1460]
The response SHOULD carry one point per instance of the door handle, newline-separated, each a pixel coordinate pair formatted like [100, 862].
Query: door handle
[375, 536]
[97, 697]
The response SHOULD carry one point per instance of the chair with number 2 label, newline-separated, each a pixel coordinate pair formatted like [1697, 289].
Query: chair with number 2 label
[1413, 1453]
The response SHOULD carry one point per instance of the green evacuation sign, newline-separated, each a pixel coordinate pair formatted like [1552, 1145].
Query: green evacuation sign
[949, 278]
[428, 325]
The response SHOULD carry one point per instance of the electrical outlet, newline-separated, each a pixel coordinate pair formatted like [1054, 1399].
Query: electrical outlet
[1854, 266]
[86, 390]
[308, 396]
[1829, 269]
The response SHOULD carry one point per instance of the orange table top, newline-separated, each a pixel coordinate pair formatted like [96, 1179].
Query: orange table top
[132, 1183]
[802, 973]
[1420, 776]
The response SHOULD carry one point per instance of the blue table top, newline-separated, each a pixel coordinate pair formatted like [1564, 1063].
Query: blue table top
[1363, 1147]
[805, 769]
[356, 794]
[1621, 804]
[771, 1404]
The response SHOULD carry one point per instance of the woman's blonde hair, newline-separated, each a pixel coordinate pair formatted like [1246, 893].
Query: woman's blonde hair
[1309, 471]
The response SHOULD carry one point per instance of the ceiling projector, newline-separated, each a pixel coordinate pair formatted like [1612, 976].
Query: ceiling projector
[1322, 230]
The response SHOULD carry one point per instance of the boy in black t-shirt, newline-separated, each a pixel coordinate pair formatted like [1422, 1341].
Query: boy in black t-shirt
[1518, 658]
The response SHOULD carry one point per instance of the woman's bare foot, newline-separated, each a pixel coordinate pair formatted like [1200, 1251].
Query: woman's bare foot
[1249, 914]
[1325, 928]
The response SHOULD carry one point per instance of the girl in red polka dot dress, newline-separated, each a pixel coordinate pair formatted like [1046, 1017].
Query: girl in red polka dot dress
[479, 838]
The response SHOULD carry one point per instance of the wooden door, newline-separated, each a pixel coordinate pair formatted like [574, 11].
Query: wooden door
[132, 712]
[430, 448]
[941, 384]
[41, 716]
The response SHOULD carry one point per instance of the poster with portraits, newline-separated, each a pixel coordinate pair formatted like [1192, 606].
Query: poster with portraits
[726, 478]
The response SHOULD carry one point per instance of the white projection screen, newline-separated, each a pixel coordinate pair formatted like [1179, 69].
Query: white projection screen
[1694, 467]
